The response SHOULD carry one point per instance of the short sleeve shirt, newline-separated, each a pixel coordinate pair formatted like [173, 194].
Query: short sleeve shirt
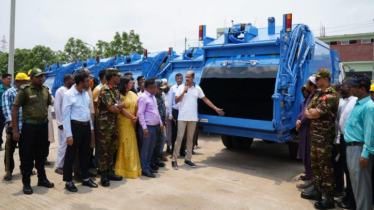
[323, 128]
[34, 101]
[106, 119]
[188, 104]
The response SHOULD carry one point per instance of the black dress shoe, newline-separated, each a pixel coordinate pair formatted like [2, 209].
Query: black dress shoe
[90, 174]
[115, 177]
[153, 171]
[46, 162]
[154, 166]
[174, 164]
[70, 187]
[148, 174]
[346, 205]
[8, 177]
[312, 195]
[162, 158]
[27, 190]
[160, 164]
[327, 203]
[45, 183]
[59, 171]
[105, 181]
[89, 183]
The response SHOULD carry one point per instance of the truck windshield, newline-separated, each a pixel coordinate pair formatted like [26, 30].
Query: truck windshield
[242, 92]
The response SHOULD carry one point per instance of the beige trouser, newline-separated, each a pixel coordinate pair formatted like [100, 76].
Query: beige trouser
[182, 125]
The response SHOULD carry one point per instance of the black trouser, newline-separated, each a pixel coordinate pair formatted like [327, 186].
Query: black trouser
[33, 145]
[2, 124]
[174, 132]
[343, 155]
[338, 169]
[81, 144]
[10, 147]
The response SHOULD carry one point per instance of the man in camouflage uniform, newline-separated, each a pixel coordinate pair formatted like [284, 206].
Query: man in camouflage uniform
[108, 105]
[160, 136]
[322, 112]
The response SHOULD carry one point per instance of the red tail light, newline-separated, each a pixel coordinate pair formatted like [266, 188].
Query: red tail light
[200, 33]
[145, 53]
[169, 51]
[289, 22]
[115, 57]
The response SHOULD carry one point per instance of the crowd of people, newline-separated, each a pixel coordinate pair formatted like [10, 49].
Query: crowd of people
[336, 138]
[112, 126]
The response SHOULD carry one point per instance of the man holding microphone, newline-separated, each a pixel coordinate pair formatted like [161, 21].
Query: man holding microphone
[187, 95]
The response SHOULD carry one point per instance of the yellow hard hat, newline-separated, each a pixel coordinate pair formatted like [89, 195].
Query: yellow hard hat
[22, 76]
[371, 88]
[28, 73]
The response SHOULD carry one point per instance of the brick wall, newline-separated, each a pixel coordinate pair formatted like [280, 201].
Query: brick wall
[354, 52]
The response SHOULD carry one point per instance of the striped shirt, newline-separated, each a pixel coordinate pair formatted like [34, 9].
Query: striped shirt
[8, 99]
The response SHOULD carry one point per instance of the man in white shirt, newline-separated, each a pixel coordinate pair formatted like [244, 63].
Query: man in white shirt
[345, 108]
[187, 95]
[78, 128]
[68, 82]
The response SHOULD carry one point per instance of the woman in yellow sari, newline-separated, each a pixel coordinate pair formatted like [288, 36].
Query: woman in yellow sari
[128, 161]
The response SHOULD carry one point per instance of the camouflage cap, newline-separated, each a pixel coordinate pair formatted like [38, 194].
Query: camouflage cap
[322, 72]
[113, 71]
[160, 84]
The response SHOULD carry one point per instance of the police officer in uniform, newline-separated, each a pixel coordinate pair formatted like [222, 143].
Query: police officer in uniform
[34, 98]
[108, 105]
[322, 112]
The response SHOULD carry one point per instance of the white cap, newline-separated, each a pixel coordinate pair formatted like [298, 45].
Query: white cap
[164, 80]
[313, 79]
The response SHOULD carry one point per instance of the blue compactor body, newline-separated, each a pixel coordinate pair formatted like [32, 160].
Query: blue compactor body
[149, 64]
[255, 75]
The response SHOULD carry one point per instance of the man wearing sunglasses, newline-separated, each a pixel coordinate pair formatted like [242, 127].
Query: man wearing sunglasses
[322, 113]
[359, 136]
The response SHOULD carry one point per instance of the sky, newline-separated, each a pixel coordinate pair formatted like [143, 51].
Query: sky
[166, 23]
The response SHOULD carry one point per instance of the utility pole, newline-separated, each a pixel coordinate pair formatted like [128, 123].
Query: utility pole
[3, 44]
[11, 37]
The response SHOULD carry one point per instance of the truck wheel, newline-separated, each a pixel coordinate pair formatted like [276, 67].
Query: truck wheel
[227, 141]
[268, 142]
[292, 149]
[241, 143]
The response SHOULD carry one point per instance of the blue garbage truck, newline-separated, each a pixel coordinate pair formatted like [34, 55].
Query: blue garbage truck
[149, 64]
[255, 75]
[191, 59]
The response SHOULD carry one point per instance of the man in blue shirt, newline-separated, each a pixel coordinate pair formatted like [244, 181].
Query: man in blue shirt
[78, 128]
[359, 136]
[7, 102]
[7, 81]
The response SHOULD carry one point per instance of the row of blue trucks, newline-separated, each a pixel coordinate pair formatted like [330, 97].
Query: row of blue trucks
[253, 74]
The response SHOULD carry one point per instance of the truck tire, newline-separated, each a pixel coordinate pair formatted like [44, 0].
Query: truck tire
[241, 143]
[292, 149]
[227, 141]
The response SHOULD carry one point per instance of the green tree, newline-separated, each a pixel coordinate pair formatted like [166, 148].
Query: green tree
[76, 49]
[122, 44]
[61, 56]
[3, 62]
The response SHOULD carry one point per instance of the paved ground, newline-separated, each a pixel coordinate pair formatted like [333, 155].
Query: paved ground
[263, 177]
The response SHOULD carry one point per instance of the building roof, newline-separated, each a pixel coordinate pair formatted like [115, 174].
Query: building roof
[346, 37]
